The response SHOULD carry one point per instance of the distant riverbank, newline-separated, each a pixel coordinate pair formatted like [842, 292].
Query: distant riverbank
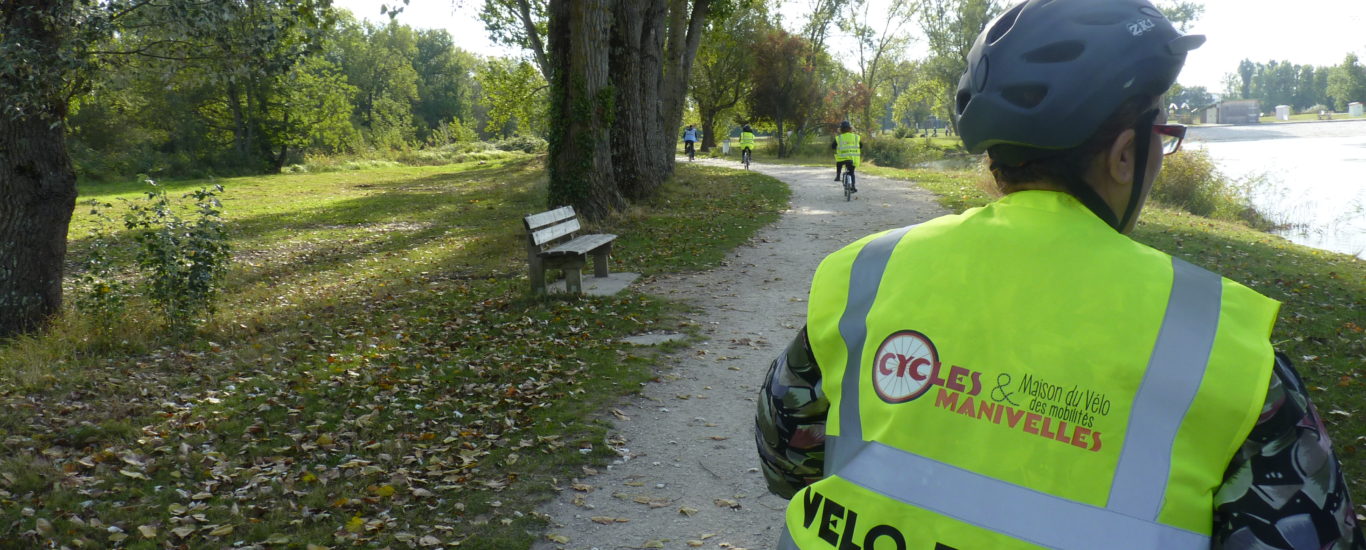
[1311, 176]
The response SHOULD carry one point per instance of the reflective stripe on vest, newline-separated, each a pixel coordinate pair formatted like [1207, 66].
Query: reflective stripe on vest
[1169, 387]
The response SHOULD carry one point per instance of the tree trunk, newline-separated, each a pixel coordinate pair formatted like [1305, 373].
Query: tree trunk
[708, 125]
[37, 194]
[685, 34]
[782, 151]
[630, 154]
[582, 107]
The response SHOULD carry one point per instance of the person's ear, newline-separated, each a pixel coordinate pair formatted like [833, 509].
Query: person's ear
[1120, 158]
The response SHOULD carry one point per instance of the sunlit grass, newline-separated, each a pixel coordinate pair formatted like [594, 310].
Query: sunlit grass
[377, 371]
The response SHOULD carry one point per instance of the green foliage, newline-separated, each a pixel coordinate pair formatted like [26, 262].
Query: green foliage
[184, 261]
[1191, 181]
[1347, 82]
[901, 153]
[514, 94]
[100, 293]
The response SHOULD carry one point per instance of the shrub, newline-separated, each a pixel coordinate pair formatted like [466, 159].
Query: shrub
[184, 261]
[900, 153]
[1192, 182]
[100, 294]
[525, 144]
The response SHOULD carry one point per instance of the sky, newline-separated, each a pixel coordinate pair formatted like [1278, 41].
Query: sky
[1304, 32]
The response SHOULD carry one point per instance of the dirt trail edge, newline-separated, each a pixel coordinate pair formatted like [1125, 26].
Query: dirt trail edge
[688, 473]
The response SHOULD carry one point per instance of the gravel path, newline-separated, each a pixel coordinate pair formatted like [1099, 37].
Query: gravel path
[688, 476]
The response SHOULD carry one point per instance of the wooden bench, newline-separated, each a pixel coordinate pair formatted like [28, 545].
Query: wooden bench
[552, 244]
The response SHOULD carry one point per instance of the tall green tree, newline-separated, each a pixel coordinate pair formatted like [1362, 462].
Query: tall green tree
[950, 28]
[378, 62]
[785, 87]
[522, 24]
[880, 37]
[720, 79]
[1347, 82]
[445, 83]
[47, 51]
[515, 95]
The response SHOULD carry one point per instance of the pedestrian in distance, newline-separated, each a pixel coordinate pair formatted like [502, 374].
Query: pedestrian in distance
[1025, 375]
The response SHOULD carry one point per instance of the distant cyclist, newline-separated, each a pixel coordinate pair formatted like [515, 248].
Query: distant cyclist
[848, 150]
[746, 142]
[690, 137]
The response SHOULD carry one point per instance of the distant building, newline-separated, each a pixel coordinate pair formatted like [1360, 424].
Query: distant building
[1237, 111]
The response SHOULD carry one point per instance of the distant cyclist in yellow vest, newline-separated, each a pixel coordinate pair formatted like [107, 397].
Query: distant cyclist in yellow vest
[746, 140]
[1024, 375]
[848, 151]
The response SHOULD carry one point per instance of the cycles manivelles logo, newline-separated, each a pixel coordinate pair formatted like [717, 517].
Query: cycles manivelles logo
[903, 366]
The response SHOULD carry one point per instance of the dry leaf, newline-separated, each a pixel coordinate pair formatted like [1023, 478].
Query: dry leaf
[727, 503]
[221, 531]
[429, 541]
[687, 510]
[557, 538]
[148, 531]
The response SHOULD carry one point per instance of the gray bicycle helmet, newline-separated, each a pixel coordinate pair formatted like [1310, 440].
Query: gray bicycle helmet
[1046, 73]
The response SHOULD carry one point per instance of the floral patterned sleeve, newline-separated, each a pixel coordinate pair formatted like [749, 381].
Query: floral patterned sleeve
[1284, 488]
[790, 425]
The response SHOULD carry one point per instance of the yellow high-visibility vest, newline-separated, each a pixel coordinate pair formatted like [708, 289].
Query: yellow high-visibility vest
[747, 139]
[847, 148]
[1023, 376]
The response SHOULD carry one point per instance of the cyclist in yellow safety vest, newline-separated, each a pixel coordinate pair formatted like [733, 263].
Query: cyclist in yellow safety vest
[848, 151]
[746, 140]
[1025, 375]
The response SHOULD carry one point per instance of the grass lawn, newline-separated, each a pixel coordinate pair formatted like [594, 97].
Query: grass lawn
[376, 374]
[1323, 297]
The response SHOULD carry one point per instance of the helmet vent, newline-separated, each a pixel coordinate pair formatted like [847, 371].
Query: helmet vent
[1057, 52]
[963, 98]
[1025, 96]
[1004, 23]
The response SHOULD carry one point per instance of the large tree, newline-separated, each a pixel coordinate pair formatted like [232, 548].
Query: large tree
[720, 79]
[880, 37]
[951, 27]
[47, 48]
[1347, 82]
[623, 66]
[786, 89]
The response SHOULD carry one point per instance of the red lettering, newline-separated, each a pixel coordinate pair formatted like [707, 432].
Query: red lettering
[1013, 416]
[1079, 437]
[882, 364]
[934, 375]
[1044, 430]
[986, 410]
[976, 383]
[915, 368]
[1095, 441]
[1062, 432]
[946, 399]
[967, 409]
[956, 374]
[1031, 423]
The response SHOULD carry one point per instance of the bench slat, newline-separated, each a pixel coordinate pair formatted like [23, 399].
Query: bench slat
[581, 245]
[555, 231]
[535, 222]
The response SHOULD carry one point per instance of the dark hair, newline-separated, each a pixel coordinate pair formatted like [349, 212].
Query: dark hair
[1070, 164]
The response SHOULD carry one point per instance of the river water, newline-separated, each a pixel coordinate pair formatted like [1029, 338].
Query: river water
[1314, 176]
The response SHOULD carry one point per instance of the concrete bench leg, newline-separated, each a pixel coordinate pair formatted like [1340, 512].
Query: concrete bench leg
[573, 277]
[600, 262]
[537, 276]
